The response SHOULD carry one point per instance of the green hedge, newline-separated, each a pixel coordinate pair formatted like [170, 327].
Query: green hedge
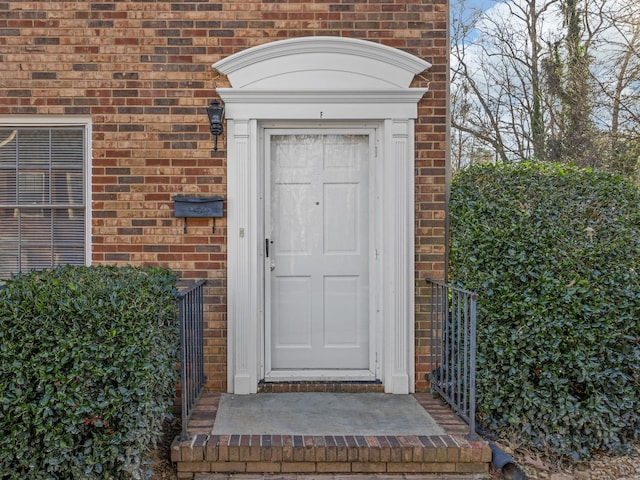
[554, 253]
[88, 358]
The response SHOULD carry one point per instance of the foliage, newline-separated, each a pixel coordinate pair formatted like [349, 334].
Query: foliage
[554, 253]
[569, 62]
[554, 80]
[88, 359]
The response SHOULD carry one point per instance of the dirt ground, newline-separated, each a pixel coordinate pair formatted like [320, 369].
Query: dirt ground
[163, 469]
[599, 467]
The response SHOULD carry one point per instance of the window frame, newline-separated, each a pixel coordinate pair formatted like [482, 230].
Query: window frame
[52, 121]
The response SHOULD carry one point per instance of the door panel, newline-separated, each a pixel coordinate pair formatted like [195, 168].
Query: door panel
[341, 211]
[341, 311]
[292, 307]
[291, 229]
[318, 229]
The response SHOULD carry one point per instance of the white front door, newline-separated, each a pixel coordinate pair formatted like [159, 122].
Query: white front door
[317, 253]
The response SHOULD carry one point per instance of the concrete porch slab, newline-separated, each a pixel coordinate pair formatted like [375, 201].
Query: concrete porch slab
[441, 449]
[323, 413]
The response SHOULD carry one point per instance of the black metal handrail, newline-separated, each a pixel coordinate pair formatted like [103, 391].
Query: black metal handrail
[453, 348]
[191, 314]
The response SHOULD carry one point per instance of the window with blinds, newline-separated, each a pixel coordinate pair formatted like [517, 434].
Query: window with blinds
[42, 197]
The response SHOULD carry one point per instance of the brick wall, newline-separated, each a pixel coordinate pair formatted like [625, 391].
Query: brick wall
[142, 71]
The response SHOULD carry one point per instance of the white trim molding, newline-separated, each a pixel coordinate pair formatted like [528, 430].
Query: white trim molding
[343, 80]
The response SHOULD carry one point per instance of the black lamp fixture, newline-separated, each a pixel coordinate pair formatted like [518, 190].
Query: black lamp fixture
[215, 112]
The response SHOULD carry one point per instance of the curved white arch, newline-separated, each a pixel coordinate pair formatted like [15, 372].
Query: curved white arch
[320, 63]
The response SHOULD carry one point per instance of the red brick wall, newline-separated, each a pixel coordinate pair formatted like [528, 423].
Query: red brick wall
[142, 71]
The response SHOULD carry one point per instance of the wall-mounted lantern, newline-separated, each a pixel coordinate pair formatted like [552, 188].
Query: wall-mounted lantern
[216, 113]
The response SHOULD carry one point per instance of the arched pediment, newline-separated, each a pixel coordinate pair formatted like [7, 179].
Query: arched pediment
[321, 63]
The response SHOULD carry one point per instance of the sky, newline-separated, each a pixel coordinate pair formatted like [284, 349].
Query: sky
[484, 4]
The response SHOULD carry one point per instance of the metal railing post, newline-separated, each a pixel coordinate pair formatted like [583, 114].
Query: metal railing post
[191, 317]
[472, 365]
[453, 348]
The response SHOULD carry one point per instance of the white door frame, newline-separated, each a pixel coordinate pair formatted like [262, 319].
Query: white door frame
[374, 211]
[344, 80]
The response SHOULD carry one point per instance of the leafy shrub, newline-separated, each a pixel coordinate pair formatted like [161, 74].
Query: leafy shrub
[554, 253]
[88, 359]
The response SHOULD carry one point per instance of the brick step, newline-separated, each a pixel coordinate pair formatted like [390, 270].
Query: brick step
[329, 454]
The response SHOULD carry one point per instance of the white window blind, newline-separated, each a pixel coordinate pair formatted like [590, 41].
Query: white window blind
[42, 197]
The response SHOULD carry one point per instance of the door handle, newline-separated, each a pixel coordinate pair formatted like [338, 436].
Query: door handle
[266, 250]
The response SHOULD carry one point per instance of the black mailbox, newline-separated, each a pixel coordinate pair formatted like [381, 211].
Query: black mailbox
[198, 207]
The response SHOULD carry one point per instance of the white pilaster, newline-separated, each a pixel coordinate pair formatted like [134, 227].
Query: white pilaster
[242, 262]
[398, 249]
